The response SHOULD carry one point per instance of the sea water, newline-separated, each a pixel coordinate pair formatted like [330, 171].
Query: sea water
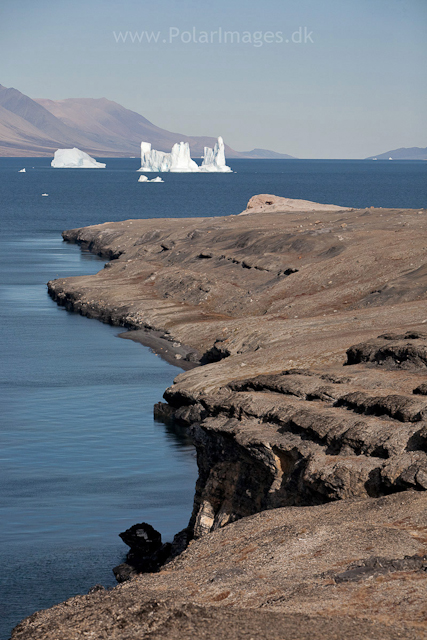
[81, 457]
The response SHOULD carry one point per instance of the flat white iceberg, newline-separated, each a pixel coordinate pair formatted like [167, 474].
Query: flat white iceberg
[214, 159]
[21, 171]
[158, 179]
[74, 159]
[45, 194]
[178, 160]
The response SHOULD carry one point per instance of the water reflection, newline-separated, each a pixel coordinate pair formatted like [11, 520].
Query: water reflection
[81, 456]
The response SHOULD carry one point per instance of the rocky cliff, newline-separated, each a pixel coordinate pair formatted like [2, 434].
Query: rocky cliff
[305, 437]
[309, 416]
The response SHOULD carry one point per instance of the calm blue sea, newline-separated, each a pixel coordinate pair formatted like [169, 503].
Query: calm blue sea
[81, 457]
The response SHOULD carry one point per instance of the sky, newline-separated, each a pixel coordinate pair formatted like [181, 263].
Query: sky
[311, 78]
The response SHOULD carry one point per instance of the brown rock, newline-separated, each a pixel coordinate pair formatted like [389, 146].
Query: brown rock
[277, 419]
[345, 570]
[267, 203]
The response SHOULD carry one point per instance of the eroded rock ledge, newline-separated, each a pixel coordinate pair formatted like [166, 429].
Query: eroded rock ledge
[310, 429]
[304, 437]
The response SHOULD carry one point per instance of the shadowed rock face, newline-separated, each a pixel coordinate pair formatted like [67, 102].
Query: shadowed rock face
[304, 437]
[284, 421]
[408, 351]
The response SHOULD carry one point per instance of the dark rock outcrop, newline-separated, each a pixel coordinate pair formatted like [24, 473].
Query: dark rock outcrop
[147, 552]
[400, 351]
[373, 567]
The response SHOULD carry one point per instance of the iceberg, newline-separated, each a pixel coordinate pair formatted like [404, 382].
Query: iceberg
[178, 160]
[74, 159]
[181, 158]
[22, 171]
[145, 179]
[152, 160]
[214, 159]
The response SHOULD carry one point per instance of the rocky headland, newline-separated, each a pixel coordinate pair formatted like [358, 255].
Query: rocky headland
[303, 330]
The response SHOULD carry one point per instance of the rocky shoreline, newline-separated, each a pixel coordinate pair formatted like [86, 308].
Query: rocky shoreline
[309, 417]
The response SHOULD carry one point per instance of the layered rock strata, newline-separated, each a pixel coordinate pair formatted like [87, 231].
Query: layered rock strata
[309, 415]
[307, 436]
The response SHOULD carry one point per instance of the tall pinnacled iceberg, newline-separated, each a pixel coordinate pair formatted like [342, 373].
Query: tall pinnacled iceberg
[181, 158]
[214, 159]
[152, 160]
[178, 160]
[74, 159]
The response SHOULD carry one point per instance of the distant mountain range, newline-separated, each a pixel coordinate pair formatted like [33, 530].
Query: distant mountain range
[410, 153]
[98, 126]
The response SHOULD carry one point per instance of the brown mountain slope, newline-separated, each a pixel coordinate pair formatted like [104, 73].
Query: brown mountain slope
[28, 129]
[104, 119]
[18, 134]
[107, 122]
[21, 105]
[98, 126]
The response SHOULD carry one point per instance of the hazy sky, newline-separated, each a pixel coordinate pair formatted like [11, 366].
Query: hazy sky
[356, 87]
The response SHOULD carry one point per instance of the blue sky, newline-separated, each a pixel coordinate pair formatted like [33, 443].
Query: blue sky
[355, 88]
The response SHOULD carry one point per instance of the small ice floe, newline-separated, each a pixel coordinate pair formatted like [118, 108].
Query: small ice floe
[45, 194]
[21, 170]
[145, 179]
